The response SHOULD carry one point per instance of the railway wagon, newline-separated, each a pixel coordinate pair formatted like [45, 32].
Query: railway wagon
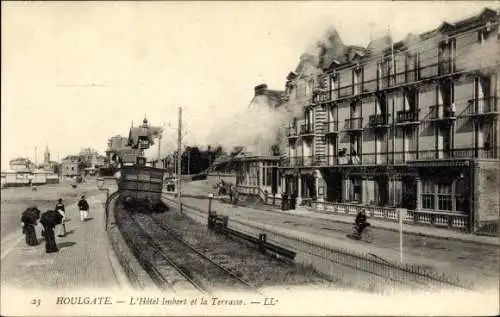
[141, 183]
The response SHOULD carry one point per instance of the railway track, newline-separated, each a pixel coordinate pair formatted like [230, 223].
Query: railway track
[165, 273]
[202, 272]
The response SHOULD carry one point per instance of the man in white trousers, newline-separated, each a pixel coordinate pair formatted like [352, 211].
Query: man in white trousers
[83, 205]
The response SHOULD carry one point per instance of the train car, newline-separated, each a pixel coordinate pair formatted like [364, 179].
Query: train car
[141, 183]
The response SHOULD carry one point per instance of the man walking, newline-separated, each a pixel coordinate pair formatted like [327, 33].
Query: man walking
[83, 205]
[61, 210]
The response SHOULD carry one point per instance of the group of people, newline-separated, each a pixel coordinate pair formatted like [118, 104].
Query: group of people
[49, 220]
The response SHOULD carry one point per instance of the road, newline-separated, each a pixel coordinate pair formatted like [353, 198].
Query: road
[464, 258]
[16, 199]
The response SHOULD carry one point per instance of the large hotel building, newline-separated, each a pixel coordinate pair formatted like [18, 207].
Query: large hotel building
[406, 125]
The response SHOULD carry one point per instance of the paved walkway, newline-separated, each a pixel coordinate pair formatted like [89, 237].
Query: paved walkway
[83, 261]
[420, 230]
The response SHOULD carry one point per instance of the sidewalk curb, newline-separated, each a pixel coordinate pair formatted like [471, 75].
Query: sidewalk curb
[421, 234]
[270, 208]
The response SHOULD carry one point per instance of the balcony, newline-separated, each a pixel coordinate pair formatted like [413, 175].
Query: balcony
[345, 91]
[441, 113]
[447, 154]
[323, 96]
[407, 117]
[445, 66]
[292, 132]
[378, 120]
[331, 127]
[353, 124]
[482, 106]
[298, 161]
[306, 130]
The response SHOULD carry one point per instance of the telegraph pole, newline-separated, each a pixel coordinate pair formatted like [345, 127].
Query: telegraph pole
[179, 166]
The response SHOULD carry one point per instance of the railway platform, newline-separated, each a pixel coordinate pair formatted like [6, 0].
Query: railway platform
[84, 260]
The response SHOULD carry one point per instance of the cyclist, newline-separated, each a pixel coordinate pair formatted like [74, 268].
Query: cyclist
[360, 221]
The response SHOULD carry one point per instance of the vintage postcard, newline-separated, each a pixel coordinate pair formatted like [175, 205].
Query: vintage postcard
[300, 158]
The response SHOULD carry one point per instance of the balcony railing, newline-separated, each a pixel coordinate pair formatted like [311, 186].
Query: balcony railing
[298, 161]
[445, 67]
[376, 120]
[389, 80]
[292, 132]
[441, 112]
[331, 127]
[345, 91]
[405, 116]
[480, 106]
[390, 158]
[323, 96]
[306, 129]
[353, 124]
[482, 153]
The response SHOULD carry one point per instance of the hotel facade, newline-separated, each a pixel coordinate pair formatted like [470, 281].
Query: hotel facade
[411, 125]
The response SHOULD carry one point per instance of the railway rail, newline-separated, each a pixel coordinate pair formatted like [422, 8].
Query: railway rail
[172, 263]
[407, 276]
[206, 274]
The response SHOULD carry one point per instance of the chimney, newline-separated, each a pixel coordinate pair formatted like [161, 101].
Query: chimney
[260, 89]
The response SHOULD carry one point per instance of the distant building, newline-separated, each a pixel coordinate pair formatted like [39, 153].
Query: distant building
[48, 165]
[70, 166]
[22, 164]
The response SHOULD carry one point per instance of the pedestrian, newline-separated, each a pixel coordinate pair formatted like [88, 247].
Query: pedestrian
[293, 201]
[236, 195]
[29, 219]
[83, 205]
[230, 192]
[61, 210]
[49, 220]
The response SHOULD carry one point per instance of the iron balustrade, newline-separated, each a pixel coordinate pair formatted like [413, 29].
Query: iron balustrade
[354, 123]
[389, 158]
[445, 67]
[378, 119]
[345, 91]
[482, 105]
[407, 116]
[413, 75]
[441, 112]
[323, 96]
[292, 132]
[306, 129]
[331, 127]
[299, 161]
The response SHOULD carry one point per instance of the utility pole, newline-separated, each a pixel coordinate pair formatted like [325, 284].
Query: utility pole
[179, 166]
[160, 165]
[35, 156]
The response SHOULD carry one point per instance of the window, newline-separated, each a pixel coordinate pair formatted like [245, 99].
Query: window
[427, 194]
[357, 79]
[333, 86]
[444, 196]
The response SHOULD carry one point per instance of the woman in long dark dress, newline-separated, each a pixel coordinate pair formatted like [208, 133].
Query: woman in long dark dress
[29, 218]
[49, 220]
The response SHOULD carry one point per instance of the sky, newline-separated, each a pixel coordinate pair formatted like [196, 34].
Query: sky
[76, 73]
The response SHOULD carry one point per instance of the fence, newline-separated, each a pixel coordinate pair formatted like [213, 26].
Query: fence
[393, 274]
[456, 221]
